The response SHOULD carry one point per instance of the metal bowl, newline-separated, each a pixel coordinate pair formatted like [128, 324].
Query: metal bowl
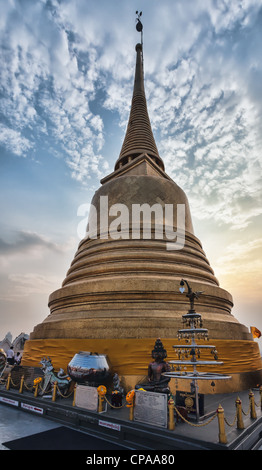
[91, 368]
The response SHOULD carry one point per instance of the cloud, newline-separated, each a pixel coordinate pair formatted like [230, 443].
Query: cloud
[46, 87]
[21, 286]
[26, 241]
[29, 284]
[20, 272]
[208, 116]
[203, 80]
[239, 266]
[66, 73]
[14, 141]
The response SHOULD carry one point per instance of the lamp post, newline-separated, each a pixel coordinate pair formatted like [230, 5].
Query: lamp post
[192, 322]
[194, 318]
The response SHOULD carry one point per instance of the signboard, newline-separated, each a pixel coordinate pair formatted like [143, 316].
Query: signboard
[151, 408]
[35, 409]
[107, 424]
[86, 397]
[188, 400]
[9, 401]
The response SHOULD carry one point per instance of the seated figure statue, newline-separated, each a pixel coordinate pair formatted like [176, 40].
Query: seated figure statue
[156, 381]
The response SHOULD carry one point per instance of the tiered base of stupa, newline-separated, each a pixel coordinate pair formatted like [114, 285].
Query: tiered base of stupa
[121, 315]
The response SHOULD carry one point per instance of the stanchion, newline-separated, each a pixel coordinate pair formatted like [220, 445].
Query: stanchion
[54, 391]
[36, 385]
[240, 423]
[171, 420]
[21, 384]
[221, 424]
[74, 397]
[101, 390]
[260, 392]
[130, 398]
[8, 381]
[100, 404]
[36, 390]
[131, 413]
[253, 414]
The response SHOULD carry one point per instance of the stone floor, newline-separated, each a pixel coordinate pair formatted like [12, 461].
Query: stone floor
[15, 423]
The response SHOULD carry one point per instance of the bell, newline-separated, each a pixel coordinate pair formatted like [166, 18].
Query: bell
[139, 26]
[213, 385]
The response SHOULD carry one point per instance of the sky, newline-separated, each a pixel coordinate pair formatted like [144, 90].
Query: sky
[66, 80]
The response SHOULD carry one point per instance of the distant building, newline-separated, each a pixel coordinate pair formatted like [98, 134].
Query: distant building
[6, 342]
[18, 343]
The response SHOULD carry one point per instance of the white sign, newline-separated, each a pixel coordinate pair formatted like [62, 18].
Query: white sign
[151, 408]
[86, 397]
[9, 401]
[109, 425]
[35, 409]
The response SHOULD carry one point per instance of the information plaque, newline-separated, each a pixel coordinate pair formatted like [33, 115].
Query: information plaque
[86, 397]
[188, 400]
[151, 408]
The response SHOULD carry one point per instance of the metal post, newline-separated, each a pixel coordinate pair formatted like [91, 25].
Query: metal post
[8, 381]
[74, 399]
[197, 402]
[54, 392]
[253, 414]
[131, 412]
[171, 420]
[221, 424]
[240, 423]
[21, 384]
[195, 382]
[36, 389]
[100, 404]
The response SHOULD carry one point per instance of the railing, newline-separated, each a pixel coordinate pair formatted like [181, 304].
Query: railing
[130, 403]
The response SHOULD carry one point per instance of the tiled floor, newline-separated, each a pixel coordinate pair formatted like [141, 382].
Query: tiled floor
[16, 423]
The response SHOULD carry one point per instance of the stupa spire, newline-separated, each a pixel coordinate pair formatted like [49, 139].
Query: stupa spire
[139, 137]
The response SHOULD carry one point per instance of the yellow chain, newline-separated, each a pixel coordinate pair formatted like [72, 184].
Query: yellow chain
[40, 386]
[28, 388]
[193, 424]
[112, 406]
[246, 414]
[14, 385]
[65, 396]
[226, 421]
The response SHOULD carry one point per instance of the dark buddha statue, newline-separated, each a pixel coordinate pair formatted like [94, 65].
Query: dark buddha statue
[156, 382]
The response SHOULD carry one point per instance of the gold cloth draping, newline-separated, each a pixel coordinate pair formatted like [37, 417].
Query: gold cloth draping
[131, 356]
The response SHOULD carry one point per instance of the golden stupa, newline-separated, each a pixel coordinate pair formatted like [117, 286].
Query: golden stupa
[122, 292]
